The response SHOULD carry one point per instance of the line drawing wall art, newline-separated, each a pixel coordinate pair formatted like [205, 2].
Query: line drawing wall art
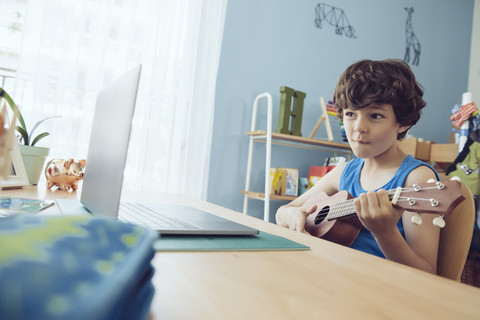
[412, 42]
[335, 17]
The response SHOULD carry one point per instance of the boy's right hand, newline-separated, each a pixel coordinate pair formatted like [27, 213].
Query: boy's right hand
[298, 217]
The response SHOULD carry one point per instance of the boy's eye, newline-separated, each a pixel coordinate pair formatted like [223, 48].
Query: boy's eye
[348, 114]
[377, 116]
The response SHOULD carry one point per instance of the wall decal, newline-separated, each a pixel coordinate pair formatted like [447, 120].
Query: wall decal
[335, 17]
[412, 40]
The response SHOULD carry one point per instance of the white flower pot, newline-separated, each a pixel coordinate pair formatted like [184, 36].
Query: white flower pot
[34, 160]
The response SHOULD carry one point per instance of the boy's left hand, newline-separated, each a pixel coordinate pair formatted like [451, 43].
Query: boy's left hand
[376, 212]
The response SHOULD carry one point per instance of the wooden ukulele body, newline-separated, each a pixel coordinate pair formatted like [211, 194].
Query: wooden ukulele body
[342, 231]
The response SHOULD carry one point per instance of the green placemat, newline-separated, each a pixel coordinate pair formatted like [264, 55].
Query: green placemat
[262, 241]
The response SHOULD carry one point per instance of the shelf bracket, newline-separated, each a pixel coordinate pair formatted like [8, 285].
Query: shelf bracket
[266, 209]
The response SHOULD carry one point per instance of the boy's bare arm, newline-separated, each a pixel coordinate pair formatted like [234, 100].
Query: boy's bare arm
[419, 249]
[294, 214]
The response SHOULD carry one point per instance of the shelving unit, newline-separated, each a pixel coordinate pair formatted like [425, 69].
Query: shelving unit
[269, 138]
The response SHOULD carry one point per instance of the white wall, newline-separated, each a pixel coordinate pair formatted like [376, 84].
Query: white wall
[474, 73]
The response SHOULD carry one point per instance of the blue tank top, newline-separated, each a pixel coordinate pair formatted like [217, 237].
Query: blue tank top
[350, 181]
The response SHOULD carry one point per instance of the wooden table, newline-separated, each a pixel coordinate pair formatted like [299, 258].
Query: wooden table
[326, 282]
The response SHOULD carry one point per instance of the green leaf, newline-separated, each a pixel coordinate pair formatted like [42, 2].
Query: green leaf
[24, 134]
[13, 106]
[22, 129]
[39, 137]
[40, 122]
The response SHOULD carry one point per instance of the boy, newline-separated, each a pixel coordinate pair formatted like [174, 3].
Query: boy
[378, 102]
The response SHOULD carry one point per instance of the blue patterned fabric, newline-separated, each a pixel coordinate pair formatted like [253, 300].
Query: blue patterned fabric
[74, 267]
[350, 181]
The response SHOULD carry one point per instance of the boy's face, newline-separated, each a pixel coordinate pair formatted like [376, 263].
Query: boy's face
[372, 130]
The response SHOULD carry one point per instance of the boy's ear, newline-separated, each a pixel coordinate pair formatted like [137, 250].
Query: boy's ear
[403, 129]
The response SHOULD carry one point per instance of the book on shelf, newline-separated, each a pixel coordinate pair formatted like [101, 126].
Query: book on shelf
[284, 181]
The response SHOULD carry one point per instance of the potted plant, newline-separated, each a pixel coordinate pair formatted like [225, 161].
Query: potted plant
[33, 156]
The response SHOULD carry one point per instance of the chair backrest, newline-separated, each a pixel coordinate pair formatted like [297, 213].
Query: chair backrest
[455, 238]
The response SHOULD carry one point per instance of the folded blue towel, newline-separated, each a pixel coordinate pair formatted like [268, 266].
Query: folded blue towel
[74, 267]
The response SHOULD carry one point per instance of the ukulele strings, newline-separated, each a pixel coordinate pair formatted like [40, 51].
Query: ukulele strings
[344, 208]
[338, 209]
[410, 189]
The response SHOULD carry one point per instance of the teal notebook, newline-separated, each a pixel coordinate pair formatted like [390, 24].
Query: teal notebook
[262, 241]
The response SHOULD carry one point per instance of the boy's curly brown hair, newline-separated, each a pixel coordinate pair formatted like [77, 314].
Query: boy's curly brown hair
[389, 81]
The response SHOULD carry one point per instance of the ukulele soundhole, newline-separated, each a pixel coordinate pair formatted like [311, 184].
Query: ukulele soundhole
[322, 214]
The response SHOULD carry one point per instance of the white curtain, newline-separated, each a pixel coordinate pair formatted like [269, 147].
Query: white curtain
[72, 49]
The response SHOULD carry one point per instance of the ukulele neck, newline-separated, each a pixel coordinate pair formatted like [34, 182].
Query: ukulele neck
[418, 198]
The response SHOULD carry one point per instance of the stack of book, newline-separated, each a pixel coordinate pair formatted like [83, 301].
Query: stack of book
[74, 267]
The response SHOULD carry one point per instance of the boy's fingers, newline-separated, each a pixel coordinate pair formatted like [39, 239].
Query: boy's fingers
[310, 209]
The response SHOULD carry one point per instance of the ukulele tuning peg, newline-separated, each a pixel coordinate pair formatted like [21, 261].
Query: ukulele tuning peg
[433, 202]
[440, 185]
[439, 221]
[417, 220]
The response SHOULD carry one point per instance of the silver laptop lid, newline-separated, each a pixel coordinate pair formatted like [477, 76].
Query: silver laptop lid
[107, 151]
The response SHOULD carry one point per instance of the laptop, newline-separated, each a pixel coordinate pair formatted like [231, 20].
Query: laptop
[107, 154]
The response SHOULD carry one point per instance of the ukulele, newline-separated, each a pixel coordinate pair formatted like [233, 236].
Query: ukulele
[336, 220]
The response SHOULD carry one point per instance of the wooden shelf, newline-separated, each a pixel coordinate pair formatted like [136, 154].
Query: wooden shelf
[429, 151]
[307, 141]
[261, 196]
[443, 152]
[270, 138]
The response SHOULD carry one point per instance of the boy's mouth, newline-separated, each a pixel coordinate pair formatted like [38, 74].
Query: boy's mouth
[360, 141]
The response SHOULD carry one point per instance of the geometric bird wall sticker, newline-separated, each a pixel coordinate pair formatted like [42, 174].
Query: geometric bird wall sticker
[412, 43]
[335, 17]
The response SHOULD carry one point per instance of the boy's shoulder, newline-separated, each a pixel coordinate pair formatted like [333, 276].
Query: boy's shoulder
[421, 174]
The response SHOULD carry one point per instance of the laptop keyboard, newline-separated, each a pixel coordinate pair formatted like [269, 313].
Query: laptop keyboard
[144, 216]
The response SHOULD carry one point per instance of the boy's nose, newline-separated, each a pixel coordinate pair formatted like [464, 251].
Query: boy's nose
[360, 125]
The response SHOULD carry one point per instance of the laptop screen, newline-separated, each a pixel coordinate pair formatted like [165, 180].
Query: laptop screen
[107, 151]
